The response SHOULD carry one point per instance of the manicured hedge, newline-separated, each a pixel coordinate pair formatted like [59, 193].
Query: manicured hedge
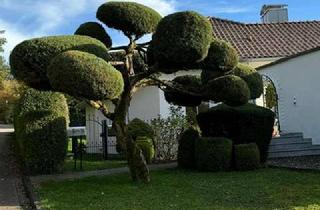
[252, 78]
[82, 74]
[244, 124]
[207, 75]
[95, 30]
[40, 124]
[146, 146]
[137, 127]
[187, 83]
[181, 40]
[229, 89]
[213, 153]
[222, 57]
[246, 156]
[129, 17]
[29, 59]
[186, 148]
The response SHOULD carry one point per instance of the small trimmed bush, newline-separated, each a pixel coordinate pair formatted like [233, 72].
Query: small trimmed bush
[207, 75]
[246, 156]
[129, 17]
[188, 83]
[137, 127]
[213, 153]
[222, 57]
[95, 30]
[181, 40]
[40, 124]
[29, 59]
[186, 148]
[82, 74]
[229, 89]
[244, 124]
[252, 78]
[146, 146]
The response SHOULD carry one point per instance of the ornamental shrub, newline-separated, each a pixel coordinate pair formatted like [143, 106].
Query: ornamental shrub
[129, 17]
[229, 89]
[82, 74]
[40, 124]
[189, 83]
[32, 57]
[252, 78]
[137, 127]
[186, 149]
[213, 153]
[146, 146]
[207, 75]
[243, 124]
[95, 30]
[246, 156]
[181, 40]
[222, 57]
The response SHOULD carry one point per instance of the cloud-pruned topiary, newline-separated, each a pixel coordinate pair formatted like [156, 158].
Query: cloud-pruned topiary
[207, 75]
[29, 60]
[95, 30]
[82, 74]
[189, 83]
[137, 127]
[246, 156]
[186, 148]
[222, 57]
[230, 89]
[146, 145]
[40, 122]
[131, 18]
[181, 40]
[252, 78]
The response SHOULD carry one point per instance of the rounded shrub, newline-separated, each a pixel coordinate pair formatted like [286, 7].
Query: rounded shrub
[252, 78]
[29, 59]
[82, 74]
[146, 146]
[246, 156]
[229, 89]
[186, 148]
[222, 57]
[129, 17]
[244, 124]
[187, 83]
[137, 127]
[213, 153]
[95, 30]
[181, 40]
[40, 124]
[207, 75]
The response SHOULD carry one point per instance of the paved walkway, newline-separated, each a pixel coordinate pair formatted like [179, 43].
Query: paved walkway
[9, 196]
[77, 175]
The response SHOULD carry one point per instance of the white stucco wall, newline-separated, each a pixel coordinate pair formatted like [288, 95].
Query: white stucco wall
[297, 80]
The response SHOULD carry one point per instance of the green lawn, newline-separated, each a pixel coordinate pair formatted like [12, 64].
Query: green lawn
[90, 165]
[174, 189]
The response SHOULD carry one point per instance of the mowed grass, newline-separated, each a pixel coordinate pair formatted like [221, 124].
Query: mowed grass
[177, 189]
[91, 165]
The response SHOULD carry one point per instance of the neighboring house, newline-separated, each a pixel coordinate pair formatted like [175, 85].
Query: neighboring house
[287, 53]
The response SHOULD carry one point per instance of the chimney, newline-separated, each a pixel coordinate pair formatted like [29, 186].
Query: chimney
[274, 13]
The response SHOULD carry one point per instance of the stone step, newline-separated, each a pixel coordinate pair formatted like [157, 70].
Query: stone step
[295, 153]
[293, 147]
[290, 141]
[290, 135]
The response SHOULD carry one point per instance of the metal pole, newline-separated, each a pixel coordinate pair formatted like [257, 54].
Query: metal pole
[104, 136]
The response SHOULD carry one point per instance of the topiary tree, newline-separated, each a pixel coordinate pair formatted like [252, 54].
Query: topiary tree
[81, 65]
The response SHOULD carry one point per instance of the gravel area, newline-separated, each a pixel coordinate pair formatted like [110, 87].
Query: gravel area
[304, 162]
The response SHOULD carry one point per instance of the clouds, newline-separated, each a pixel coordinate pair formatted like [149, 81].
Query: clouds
[24, 19]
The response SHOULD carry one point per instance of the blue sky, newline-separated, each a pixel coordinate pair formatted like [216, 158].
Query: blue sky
[24, 19]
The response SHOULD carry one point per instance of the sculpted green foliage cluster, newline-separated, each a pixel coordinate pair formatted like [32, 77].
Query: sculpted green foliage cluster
[129, 17]
[29, 60]
[137, 127]
[222, 57]
[40, 124]
[181, 40]
[95, 30]
[186, 150]
[83, 74]
[187, 83]
[252, 78]
[146, 145]
[247, 156]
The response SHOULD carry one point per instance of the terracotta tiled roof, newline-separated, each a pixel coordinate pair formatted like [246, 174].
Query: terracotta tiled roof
[267, 40]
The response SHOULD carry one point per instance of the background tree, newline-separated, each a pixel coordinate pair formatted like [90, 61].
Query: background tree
[83, 67]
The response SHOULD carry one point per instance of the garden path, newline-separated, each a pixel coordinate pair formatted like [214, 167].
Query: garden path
[9, 196]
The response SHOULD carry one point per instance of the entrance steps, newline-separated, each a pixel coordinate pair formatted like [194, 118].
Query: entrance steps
[292, 145]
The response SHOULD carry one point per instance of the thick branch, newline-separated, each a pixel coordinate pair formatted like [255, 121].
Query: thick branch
[101, 107]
